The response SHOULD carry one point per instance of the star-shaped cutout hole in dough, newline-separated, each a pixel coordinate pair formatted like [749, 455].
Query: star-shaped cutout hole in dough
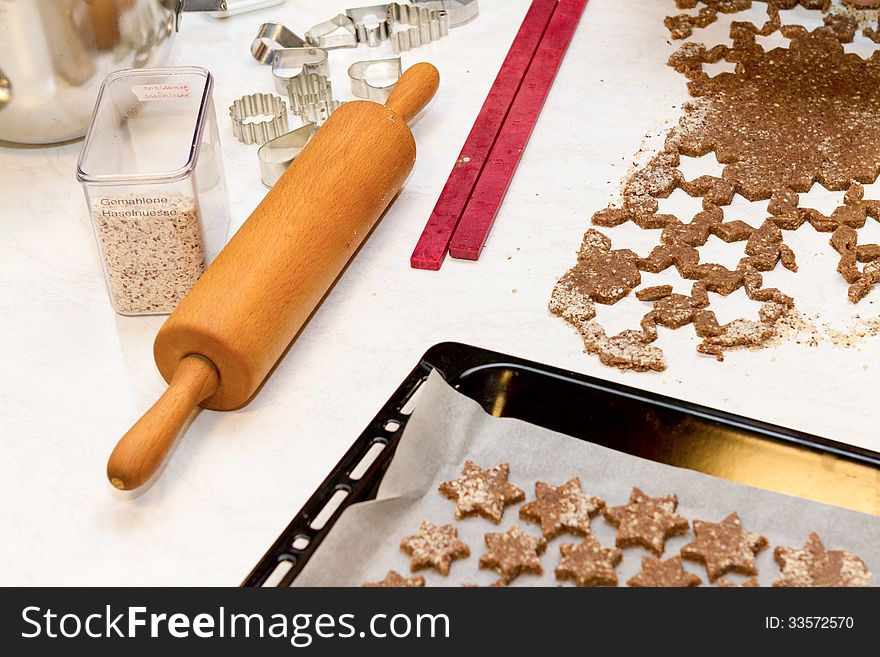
[434, 547]
[514, 552]
[561, 509]
[815, 565]
[669, 573]
[646, 521]
[588, 563]
[394, 580]
[481, 492]
[724, 547]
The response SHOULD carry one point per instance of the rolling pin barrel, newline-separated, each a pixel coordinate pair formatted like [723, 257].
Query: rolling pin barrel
[247, 307]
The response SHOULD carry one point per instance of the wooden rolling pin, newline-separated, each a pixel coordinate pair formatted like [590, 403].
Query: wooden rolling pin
[226, 335]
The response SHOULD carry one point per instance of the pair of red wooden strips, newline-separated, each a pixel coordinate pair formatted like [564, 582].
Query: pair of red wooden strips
[472, 196]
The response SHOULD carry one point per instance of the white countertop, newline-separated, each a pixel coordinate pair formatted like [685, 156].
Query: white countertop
[74, 376]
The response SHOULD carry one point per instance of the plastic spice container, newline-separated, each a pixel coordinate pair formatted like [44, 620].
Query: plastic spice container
[153, 177]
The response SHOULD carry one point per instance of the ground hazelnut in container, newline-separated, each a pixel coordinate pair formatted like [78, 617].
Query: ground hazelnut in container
[154, 183]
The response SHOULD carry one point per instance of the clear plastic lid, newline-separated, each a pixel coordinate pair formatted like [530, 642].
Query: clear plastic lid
[147, 126]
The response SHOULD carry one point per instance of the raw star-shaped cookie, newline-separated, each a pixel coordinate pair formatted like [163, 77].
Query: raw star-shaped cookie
[724, 547]
[727, 583]
[394, 580]
[669, 573]
[646, 521]
[494, 585]
[588, 563]
[434, 547]
[514, 552]
[561, 509]
[815, 565]
[481, 492]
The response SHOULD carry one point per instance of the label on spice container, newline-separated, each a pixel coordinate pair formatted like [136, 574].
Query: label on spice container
[161, 91]
[133, 207]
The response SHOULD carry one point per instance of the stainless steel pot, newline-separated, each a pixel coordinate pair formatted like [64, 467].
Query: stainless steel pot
[54, 54]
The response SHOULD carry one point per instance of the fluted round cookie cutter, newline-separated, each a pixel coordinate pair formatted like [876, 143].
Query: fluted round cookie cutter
[271, 38]
[277, 154]
[304, 90]
[248, 126]
[373, 79]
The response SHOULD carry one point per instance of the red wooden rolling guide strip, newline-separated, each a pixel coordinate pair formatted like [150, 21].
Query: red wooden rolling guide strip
[479, 215]
[469, 202]
[434, 242]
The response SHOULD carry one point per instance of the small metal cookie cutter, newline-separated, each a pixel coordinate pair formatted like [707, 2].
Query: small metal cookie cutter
[320, 111]
[249, 129]
[305, 90]
[338, 32]
[459, 12]
[372, 25]
[311, 98]
[277, 154]
[271, 38]
[374, 79]
[289, 63]
[427, 25]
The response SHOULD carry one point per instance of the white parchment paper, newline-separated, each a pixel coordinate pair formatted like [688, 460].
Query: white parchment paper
[447, 428]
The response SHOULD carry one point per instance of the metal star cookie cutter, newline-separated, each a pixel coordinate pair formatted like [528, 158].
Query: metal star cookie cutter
[277, 154]
[459, 12]
[289, 63]
[372, 25]
[273, 37]
[250, 124]
[373, 79]
[338, 32]
[426, 25]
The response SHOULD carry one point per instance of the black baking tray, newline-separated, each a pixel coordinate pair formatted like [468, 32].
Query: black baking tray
[616, 416]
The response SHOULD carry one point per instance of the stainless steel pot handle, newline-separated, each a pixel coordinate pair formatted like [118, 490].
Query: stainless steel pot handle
[201, 5]
[196, 5]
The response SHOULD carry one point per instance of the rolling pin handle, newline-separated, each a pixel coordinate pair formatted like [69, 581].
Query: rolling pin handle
[413, 90]
[140, 452]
